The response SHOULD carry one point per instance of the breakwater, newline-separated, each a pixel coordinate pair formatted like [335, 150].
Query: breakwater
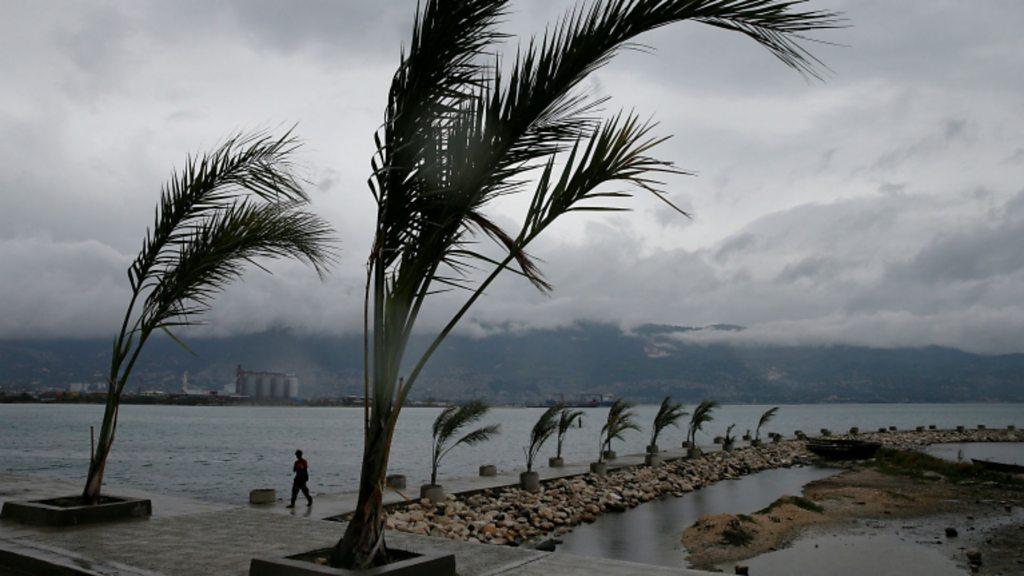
[510, 516]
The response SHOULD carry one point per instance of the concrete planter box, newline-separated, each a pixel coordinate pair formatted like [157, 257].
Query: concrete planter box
[653, 459]
[727, 446]
[488, 470]
[529, 481]
[610, 455]
[718, 440]
[893, 428]
[981, 426]
[653, 449]
[959, 428]
[854, 431]
[826, 432]
[434, 492]
[58, 511]
[932, 427]
[262, 496]
[1011, 427]
[599, 468]
[882, 429]
[404, 564]
[396, 481]
[555, 462]
[919, 428]
[755, 443]
[685, 444]
[693, 452]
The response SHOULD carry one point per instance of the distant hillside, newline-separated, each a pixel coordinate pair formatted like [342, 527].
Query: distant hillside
[534, 365]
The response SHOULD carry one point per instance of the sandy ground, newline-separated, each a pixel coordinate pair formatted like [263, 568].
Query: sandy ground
[861, 493]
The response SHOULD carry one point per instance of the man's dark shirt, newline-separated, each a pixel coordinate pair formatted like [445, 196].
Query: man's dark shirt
[301, 469]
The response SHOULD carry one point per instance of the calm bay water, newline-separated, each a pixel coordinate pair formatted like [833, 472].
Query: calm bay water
[220, 453]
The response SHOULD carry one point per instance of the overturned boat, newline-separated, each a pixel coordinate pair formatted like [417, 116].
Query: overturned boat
[843, 449]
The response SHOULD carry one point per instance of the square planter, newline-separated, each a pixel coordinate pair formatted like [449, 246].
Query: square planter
[488, 470]
[653, 459]
[66, 511]
[555, 462]
[405, 564]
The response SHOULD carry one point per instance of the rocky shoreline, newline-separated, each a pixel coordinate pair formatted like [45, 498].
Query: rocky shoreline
[510, 516]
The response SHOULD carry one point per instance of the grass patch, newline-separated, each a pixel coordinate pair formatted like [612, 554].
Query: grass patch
[736, 535]
[746, 518]
[798, 501]
[916, 464]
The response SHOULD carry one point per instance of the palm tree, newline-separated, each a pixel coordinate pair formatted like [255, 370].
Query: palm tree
[462, 129]
[765, 419]
[729, 439]
[545, 426]
[567, 418]
[450, 422]
[701, 416]
[668, 415]
[221, 212]
[620, 419]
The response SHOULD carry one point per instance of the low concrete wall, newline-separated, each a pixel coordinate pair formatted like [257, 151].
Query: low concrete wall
[21, 558]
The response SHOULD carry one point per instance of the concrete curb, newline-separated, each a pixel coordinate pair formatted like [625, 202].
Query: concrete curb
[23, 559]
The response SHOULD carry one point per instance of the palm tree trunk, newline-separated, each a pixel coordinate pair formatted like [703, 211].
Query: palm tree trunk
[363, 545]
[98, 461]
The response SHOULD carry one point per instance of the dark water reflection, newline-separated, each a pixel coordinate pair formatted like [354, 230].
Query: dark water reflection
[650, 533]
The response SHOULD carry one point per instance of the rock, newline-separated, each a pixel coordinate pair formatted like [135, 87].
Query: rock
[951, 532]
[973, 556]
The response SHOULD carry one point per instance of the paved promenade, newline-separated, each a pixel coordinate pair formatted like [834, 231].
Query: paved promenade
[189, 537]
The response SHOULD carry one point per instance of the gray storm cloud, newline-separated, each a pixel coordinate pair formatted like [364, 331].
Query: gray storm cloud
[882, 208]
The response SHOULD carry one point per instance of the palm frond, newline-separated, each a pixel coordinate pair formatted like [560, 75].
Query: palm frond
[668, 414]
[546, 425]
[764, 420]
[701, 416]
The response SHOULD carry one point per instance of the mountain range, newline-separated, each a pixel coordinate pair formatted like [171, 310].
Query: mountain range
[642, 364]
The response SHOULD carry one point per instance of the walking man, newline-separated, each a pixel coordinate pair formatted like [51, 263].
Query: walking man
[301, 470]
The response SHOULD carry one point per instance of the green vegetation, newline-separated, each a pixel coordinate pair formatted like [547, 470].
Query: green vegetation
[764, 420]
[746, 518]
[449, 422]
[798, 501]
[620, 419]
[917, 464]
[566, 419]
[668, 415]
[701, 416]
[223, 211]
[462, 129]
[545, 426]
[736, 535]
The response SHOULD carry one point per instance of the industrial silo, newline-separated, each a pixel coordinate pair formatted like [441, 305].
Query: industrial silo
[266, 388]
[293, 386]
[280, 388]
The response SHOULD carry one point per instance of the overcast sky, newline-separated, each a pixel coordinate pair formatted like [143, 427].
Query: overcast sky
[883, 207]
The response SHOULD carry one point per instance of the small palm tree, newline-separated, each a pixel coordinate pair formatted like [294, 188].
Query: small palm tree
[701, 416]
[223, 211]
[450, 422]
[620, 419]
[729, 440]
[462, 129]
[567, 418]
[668, 415]
[765, 419]
[545, 426]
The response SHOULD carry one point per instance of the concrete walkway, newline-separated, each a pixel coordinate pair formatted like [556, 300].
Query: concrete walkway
[188, 537]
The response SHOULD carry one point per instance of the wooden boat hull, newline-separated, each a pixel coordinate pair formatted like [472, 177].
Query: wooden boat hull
[999, 466]
[843, 449]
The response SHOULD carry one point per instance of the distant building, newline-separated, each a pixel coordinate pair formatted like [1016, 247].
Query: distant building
[266, 385]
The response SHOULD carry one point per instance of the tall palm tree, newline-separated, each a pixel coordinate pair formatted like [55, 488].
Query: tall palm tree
[567, 418]
[668, 415]
[620, 419]
[222, 211]
[462, 129]
[545, 426]
[701, 416]
[765, 419]
[450, 422]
